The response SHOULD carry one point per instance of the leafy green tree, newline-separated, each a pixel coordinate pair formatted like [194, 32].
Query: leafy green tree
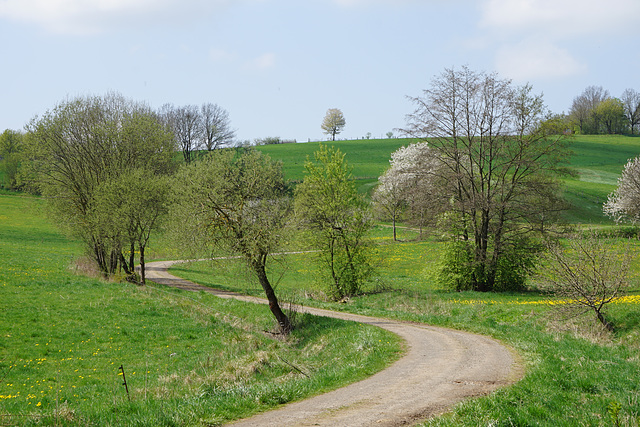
[333, 123]
[238, 202]
[11, 146]
[76, 150]
[129, 208]
[336, 219]
[612, 116]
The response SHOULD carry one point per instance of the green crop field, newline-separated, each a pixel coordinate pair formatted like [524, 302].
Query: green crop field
[191, 359]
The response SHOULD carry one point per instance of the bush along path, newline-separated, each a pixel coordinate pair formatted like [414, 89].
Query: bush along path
[440, 368]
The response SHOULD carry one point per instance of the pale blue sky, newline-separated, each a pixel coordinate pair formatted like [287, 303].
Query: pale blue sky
[278, 65]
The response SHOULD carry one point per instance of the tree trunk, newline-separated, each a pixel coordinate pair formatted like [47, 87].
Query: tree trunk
[274, 306]
[394, 229]
[132, 257]
[142, 270]
[608, 326]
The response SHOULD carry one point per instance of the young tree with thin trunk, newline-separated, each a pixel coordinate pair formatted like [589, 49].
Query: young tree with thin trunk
[333, 123]
[336, 219]
[238, 202]
[587, 274]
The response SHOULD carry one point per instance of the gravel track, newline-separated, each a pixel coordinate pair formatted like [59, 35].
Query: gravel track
[440, 368]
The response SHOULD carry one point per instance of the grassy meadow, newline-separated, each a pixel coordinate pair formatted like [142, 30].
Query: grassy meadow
[190, 359]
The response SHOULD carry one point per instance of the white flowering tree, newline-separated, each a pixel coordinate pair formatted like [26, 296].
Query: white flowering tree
[409, 183]
[333, 123]
[624, 203]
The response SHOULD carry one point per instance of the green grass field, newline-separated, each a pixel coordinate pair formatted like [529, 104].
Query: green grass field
[191, 359]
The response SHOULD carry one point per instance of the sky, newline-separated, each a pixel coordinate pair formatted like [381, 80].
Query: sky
[277, 66]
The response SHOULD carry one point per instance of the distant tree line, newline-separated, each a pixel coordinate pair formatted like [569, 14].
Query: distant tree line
[595, 112]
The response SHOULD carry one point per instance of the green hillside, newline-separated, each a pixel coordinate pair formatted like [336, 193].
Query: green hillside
[598, 161]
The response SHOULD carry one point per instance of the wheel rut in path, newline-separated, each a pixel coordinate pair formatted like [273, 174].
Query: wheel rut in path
[440, 368]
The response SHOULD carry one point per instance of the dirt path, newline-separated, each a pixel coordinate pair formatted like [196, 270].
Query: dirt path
[441, 367]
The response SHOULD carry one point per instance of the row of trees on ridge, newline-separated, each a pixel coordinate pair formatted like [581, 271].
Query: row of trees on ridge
[595, 111]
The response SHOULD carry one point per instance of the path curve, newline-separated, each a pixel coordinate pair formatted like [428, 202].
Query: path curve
[440, 368]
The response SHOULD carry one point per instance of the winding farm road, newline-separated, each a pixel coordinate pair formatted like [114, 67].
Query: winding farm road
[440, 368]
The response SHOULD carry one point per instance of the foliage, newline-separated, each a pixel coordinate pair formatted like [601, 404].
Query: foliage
[237, 201]
[336, 219]
[333, 123]
[595, 111]
[11, 147]
[132, 204]
[496, 163]
[269, 140]
[76, 150]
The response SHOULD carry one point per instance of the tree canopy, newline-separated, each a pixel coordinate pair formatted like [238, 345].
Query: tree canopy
[238, 202]
[336, 218]
[333, 123]
[78, 151]
[495, 176]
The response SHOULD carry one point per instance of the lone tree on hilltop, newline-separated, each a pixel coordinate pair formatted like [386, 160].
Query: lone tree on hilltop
[333, 123]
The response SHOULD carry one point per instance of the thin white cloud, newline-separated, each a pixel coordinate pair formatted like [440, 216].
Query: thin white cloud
[536, 59]
[94, 16]
[262, 62]
[220, 55]
[567, 18]
[531, 38]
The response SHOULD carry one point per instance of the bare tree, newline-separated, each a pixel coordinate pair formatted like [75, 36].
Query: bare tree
[631, 104]
[215, 127]
[584, 109]
[333, 123]
[186, 125]
[588, 275]
[495, 154]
